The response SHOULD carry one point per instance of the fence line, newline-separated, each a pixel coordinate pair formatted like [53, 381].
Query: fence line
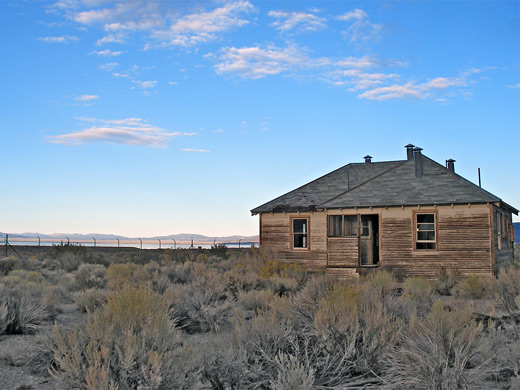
[154, 243]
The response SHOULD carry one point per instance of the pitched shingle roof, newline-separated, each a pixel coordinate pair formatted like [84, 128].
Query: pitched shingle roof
[391, 183]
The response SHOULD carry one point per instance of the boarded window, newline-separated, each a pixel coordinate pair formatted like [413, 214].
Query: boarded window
[300, 233]
[425, 231]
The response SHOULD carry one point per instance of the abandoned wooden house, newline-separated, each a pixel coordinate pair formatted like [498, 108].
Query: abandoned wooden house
[411, 217]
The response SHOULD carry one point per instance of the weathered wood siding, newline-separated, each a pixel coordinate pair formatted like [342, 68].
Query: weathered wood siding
[464, 240]
[275, 232]
[503, 241]
[343, 252]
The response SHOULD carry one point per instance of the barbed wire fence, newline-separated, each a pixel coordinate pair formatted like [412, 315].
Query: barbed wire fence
[10, 241]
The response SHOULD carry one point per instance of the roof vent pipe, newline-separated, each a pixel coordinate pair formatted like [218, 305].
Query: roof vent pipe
[418, 162]
[450, 164]
[409, 151]
[368, 159]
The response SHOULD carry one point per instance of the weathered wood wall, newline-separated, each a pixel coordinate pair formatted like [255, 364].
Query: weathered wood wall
[464, 240]
[343, 252]
[275, 232]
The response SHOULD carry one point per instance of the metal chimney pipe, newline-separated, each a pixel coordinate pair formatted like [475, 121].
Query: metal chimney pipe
[368, 159]
[451, 165]
[418, 162]
[409, 151]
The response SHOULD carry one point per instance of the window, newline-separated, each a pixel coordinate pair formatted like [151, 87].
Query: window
[300, 232]
[343, 225]
[350, 224]
[425, 237]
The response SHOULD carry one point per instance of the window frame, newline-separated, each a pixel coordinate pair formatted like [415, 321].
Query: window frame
[308, 233]
[343, 216]
[415, 231]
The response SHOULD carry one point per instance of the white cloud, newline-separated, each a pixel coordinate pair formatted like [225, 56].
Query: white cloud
[111, 38]
[514, 86]
[160, 19]
[146, 84]
[219, 131]
[361, 30]
[256, 62]
[299, 21]
[62, 39]
[203, 26]
[196, 150]
[109, 66]
[86, 98]
[419, 91]
[130, 131]
[107, 53]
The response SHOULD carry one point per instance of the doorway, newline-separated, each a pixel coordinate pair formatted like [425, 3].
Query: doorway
[369, 240]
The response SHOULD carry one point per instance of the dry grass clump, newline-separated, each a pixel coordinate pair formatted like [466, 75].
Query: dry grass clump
[507, 289]
[446, 280]
[127, 344]
[90, 299]
[445, 350]
[473, 287]
[90, 276]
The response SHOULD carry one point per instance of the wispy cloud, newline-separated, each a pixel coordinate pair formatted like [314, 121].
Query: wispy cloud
[361, 30]
[196, 150]
[62, 39]
[256, 62]
[86, 98]
[107, 53]
[129, 131]
[109, 66]
[418, 91]
[296, 21]
[204, 26]
[146, 84]
[514, 86]
[161, 20]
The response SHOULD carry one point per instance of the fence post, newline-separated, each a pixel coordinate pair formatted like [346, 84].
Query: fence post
[239, 243]
[174, 244]
[159, 243]
[118, 242]
[141, 243]
[68, 240]
[94, 241]
[6, 243]
[39, 244]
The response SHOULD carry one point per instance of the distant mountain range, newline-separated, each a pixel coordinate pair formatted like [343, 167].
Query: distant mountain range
[178, 237]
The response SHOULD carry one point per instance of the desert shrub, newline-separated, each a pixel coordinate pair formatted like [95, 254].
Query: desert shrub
[282, 285]
[507, 289]
[7, 264]
[202, 257]
[219, 250]
[243, 278]
[118, 275]
[446, 280]
[283, 269]
[90, 299]
[306, 302]
[202, 305]
[179, 272]
[255, 299]
[292, 374]
[127, 344]
[418, 289]
[474, 286]
[20, 313]
[383, 281]
[89, 276]
[446, 350]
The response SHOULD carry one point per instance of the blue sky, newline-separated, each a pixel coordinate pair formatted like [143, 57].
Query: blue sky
[145, 118]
